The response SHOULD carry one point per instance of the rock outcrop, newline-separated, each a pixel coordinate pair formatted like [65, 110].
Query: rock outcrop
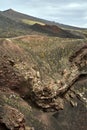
[12, 118]
[51, 96]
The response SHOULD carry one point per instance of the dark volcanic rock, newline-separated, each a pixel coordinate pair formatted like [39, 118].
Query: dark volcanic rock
[54, 30]
[72, 118]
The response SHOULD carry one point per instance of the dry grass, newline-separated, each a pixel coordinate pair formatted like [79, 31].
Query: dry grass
[50, 54]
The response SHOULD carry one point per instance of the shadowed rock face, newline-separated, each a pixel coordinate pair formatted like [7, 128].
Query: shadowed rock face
[72, 118]
[3, 127]
[20, 77]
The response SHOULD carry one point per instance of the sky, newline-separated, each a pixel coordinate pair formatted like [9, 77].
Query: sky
[70, 12]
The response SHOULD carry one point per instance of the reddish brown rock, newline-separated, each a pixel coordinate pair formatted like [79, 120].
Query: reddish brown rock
[12, 118]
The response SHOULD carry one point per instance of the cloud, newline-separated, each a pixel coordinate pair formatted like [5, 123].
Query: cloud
[70, 12]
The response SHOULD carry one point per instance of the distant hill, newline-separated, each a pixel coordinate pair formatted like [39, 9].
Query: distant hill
[20, 17]
[12, 14]
[11, 28]
[13, 23]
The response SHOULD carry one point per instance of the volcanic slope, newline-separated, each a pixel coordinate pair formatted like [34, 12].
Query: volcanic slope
[33, 71]
[23, 24]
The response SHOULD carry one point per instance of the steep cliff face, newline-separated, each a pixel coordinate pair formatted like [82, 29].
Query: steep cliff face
[21, 84]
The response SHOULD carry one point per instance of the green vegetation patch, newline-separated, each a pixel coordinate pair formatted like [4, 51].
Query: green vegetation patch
[31, 22]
